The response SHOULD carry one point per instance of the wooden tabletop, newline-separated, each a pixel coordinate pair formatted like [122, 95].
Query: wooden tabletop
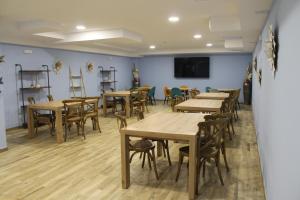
[200, 105]
[212, 95]
[173, 125]
[52, 105]
[227, 89]
[117, 93]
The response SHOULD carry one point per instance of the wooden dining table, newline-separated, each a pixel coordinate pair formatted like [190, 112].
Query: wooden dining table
[200, 105]
[212, 95]
[165, 126]
[56, 107]
[125, 94]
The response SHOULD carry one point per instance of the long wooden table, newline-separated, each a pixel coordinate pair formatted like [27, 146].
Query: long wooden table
[55, 106]
[212, 95]
[125, 94]
[167, 126]
[200, 105]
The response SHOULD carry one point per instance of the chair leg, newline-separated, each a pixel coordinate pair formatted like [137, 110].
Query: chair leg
[231, 123]
[179, 166]
[149, 159]
[229, 132]
[168, 153]
[66, 131]
[98, 124]
[154, 163]
[217, 160]
[144, 157]
[223, 149]
[165, 100]
[83, 133]
[131, 157]
[204, 167]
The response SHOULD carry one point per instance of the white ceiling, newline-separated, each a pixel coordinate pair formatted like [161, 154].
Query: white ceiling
[127, 28]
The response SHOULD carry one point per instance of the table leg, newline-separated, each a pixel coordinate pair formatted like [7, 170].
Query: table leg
[192, 168]
[127, 107]
[125, 168]
[104, 105]
[30, 123]
[58, 126]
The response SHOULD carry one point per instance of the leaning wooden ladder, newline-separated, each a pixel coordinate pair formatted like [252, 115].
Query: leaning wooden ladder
[79, 86]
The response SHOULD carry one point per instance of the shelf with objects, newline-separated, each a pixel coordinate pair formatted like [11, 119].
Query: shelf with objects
[108, 78]
[31, 82]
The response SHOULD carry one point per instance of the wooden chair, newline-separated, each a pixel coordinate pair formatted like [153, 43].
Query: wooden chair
[164, 143]
[74, 113]
[167, 93]
[91, 112]
[236, 95]
[176, 100]
[110, 102]
[185, 91]
[210, 141]
[136, 101]
[228, 109]
[144, 146]
[194, 92]
[41, 118]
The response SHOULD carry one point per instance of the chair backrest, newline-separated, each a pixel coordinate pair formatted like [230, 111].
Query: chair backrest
[176, 100]
[207, 89]
[73, 108]
[212, 132]
[146, 85]
[50, 97]
[167, 91]
[31, 100]
[228, 105]
[121, 120]
[151, 91]
[91, 103]
[184, 86]
[176, 92]
[194, 92]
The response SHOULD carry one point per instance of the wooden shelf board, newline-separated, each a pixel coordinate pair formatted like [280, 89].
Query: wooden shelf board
[34, 88]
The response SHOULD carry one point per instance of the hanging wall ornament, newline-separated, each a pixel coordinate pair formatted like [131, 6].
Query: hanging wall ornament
[2, 59]
[271, 49]
[58, 66]
[254, 64]
[90, 67]
[260, 76]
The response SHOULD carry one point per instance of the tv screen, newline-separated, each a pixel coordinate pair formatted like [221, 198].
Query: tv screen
[193, 67]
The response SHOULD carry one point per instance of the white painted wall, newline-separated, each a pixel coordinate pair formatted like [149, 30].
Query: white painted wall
[276, 105]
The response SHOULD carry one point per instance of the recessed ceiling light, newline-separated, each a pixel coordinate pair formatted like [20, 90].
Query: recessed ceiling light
[209, 44]
[80, 27]
[152, 47]
[198, 36]
[173, 19]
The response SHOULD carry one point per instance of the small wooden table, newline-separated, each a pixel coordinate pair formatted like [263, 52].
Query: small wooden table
[170, 126]
[55, 106]
[200, 105]
[125, 94]
[212, 95]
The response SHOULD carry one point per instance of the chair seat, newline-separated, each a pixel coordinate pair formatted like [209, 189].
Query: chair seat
[90, 114]
[141, 144]
[74, 119]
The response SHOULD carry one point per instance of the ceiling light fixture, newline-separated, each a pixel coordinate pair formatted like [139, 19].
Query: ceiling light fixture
[209, 44]
[80, 27]
[173, 19]
[152, 47]
[197, 36]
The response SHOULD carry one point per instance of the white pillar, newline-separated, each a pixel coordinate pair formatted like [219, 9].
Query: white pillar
[3, 144]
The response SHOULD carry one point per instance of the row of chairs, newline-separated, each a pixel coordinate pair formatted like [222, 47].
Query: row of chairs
[171, 94]
[75, 111]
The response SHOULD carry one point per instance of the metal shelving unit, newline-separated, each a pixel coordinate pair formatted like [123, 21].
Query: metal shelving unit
[36, 88]
[108, 78]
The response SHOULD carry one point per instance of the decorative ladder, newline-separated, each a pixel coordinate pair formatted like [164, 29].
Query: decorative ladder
[78, 86]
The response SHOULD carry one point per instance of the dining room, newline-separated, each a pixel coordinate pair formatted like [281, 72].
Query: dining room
[187, 101]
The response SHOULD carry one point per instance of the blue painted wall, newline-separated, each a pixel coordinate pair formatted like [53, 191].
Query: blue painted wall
[226, 71]
[276, 105]
[59, 82]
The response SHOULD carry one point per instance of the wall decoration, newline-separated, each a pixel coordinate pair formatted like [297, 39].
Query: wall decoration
[271, 49]
[254, 64]
[260, 76]
[90, 66]
[58, 66]
[2, 59]
[135, 77]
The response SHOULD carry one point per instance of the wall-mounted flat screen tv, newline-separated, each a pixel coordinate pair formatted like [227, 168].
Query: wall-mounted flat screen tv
[191, 67]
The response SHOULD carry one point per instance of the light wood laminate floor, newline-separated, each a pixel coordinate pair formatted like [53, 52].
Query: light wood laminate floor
[40, 168]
